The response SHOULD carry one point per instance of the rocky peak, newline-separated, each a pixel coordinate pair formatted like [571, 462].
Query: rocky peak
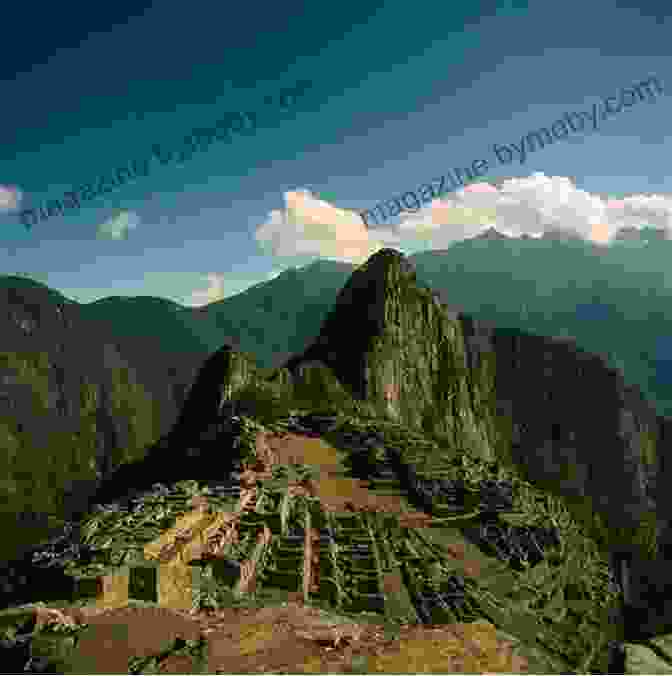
[558, 413]
[379, 304]
[372, 288]
[385, 341]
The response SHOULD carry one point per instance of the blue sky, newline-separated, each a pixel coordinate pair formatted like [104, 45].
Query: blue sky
[400, 94]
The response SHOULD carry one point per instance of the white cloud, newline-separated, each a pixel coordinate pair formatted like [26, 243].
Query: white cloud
[219, 285]
[119, 225]
[213, 292]
[533, 205]
[10, 198]
[308, 226]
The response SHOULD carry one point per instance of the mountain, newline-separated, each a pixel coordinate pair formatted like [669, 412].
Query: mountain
[23, 282]
[76, 401]
[647, 234]
[476, 386]
[613, 301]
[277, 318]
[490, 234]
[554, 413]
[565, 419]
[143, 317]
[614, 304]
[525, 421]
[101, 384]
[505, 394]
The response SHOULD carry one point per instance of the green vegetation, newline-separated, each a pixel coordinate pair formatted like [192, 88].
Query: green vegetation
[135, 407]
[38, 470]
[523, 284]
[558, 609]
[31, 368]
[513, 283]
[276, 395]
[265, 400]
[568, 596]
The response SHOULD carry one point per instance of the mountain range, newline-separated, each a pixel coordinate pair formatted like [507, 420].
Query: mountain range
[121, 393]
[612, 300]
[613, 304]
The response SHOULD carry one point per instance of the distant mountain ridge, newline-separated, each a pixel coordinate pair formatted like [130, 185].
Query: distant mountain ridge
[515, 282]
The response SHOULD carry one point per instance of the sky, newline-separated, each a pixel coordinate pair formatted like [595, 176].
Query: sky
[390, 97]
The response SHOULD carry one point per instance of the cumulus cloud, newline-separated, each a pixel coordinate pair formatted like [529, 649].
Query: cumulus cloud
[10, 198]
[309, 226]
[458, 217]
[119, 225]
[213, 292]
[533, 205]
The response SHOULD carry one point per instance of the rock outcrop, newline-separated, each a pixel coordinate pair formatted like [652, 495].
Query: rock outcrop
[391, 343]
[221, 376]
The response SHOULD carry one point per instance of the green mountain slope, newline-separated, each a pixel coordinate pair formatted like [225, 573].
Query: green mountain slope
[21, 282]
[614, 302]
[147, 317]
[278, 318]
[76, 400]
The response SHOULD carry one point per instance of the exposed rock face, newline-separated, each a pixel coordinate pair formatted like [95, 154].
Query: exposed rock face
[314, 383]
[576, 424]
[391, 342]
[222, 374]
[560, 414]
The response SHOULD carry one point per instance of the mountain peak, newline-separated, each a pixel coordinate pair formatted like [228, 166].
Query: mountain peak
[371, 286]
[491, 233]
[381, 307]
[386, 256]
[387, 264]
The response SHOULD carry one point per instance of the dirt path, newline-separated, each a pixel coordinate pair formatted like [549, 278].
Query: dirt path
[292, 639]
[336, 492]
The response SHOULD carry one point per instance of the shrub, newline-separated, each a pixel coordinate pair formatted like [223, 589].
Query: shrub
[263, 401]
